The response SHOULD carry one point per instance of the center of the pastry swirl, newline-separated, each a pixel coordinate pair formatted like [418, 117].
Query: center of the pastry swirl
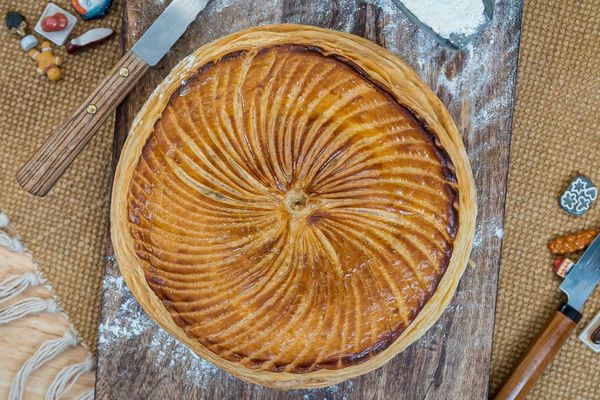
[295, 201]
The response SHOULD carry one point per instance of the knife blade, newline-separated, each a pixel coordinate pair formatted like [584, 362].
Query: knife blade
[584, 277]
[167, 29]
[45, 167]
[578, 286]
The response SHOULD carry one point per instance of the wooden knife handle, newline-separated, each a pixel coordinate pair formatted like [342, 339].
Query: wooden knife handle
[540, 354]
[50, 161]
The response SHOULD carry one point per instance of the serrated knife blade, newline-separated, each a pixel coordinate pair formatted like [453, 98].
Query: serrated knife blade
[584, 277]
[167, 29]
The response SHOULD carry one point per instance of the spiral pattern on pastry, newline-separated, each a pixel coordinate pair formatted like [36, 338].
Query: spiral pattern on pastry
[289, 213]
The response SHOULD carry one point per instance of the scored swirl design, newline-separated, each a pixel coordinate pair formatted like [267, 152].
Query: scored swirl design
[289, 213]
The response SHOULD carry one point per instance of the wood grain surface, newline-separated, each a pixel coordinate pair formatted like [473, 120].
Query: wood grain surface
[137, 360]
[51, 160]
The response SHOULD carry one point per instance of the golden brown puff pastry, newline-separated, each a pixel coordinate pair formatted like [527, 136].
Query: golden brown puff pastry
[294, 204]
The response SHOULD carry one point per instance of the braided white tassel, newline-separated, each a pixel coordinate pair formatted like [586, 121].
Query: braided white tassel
[87, 395]
[15, 285]
[4, 220]
[25, 307]
[6, 240]
[46, 352]
[67, 377]
[11, 243]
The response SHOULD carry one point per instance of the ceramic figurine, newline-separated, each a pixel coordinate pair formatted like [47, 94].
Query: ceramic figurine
[55, 24]
[562, 266]
[91, 9]
[579, 196]
[591, 334]
[17, 24]
[89, 38]
[48, 63]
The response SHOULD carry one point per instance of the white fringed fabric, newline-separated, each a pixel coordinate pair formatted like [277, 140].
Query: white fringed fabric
[87, 395]
[32, 305]
[14, 286]
[46, 352]
[67, 377]
[6, 240]
[11, 243]
[4, 220]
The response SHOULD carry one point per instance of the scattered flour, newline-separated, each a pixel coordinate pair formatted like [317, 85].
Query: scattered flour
[499, 232]
[478, 68]
[129, 322]
[447, 17]
[488, 229]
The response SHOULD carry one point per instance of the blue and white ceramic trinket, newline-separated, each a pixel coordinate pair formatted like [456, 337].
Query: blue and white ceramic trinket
[579, 196]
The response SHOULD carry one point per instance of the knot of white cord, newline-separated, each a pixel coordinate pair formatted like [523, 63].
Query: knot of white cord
[52, 306]
[4, 221]
[89, 363]
[70, 338]
[33, 278]
[13, 286]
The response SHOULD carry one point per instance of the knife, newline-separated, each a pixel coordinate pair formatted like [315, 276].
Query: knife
[51, 160]
[578, 286]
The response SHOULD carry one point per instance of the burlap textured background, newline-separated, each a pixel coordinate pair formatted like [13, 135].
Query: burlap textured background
[65, 230]
[555, 136]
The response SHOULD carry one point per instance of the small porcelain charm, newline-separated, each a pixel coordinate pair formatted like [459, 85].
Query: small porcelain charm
[572, 242]
[29, 42]
[591, 334]
[91, 9]
[579, 196]
[562, 266]
[88, 39]
[55, 24]
[596, 336]
[16, 23]
[48, 63]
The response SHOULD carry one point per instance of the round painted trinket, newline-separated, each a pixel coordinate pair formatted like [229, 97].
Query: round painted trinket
[91, 9]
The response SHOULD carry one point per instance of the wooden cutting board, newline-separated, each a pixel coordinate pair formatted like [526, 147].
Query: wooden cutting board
[137, 360]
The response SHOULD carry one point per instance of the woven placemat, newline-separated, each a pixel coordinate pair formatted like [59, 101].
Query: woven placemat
[555, 137]
[65, 230]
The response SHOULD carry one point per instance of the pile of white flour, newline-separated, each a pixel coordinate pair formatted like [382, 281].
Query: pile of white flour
[445, 17]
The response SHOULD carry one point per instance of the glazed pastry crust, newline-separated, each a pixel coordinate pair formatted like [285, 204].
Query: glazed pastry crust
[388, 72]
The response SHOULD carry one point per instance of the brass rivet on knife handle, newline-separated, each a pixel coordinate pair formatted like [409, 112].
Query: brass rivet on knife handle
[52, 159]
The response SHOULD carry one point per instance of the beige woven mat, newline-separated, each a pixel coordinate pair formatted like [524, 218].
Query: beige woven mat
[555, 136]
[65, 230]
